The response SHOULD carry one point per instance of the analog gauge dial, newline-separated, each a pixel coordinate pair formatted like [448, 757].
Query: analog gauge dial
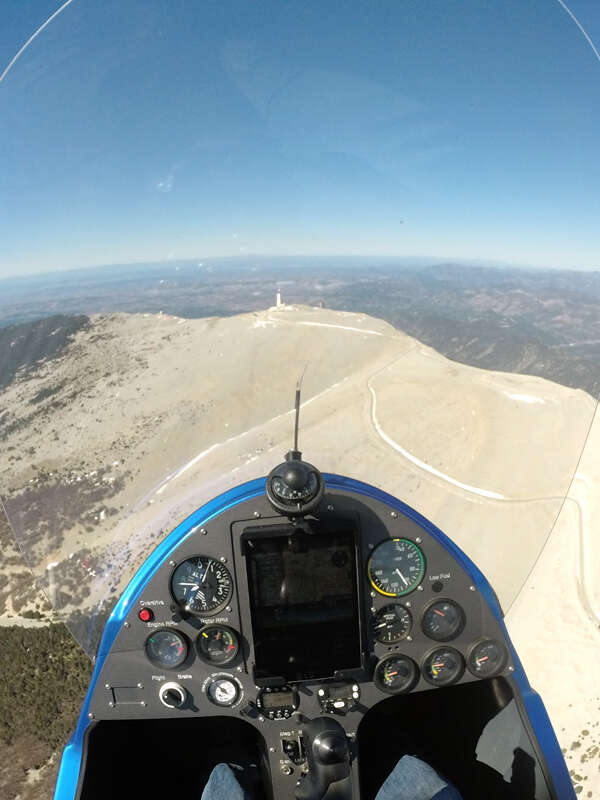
[202, 585]
[223, 692]
[218, 644]
[444, 666]
[396, 567]
[167, 649]
[396, 674]
[443, 620]
[392, 623]
[487, 658]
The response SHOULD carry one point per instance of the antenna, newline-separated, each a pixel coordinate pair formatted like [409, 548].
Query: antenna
[296, 455]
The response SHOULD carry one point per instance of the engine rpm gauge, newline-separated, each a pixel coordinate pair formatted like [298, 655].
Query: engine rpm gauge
[444, 666]
[395, 674]
[396, 567]
[202, 585]
[487, 658]
[217, 644]
[392, 623]
[166, 648]
[443, 620]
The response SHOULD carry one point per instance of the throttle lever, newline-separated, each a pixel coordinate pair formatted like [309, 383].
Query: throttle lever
[328, 761]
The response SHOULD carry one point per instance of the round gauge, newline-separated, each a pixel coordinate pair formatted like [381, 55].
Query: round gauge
[443, 666]
[396, 567]
[396, 674]
[167, 649]
[202, 585]
[223, 692]
[392, 623]
[443, 620]
[217, 644]
[487, 658]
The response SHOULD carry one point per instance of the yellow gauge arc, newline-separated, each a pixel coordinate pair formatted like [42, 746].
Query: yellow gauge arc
[413, 585]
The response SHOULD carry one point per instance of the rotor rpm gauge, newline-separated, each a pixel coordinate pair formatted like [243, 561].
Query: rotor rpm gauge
[218, 644]
[396, 567]
[392, 623]
[202, 585]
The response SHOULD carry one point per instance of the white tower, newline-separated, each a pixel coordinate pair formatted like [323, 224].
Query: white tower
[279, 301]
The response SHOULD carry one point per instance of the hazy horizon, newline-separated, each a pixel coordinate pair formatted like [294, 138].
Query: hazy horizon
[148, 132]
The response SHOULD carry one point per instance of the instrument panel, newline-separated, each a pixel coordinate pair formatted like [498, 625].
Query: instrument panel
[280, 621]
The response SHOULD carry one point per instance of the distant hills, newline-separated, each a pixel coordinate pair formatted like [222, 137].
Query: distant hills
[538, 322]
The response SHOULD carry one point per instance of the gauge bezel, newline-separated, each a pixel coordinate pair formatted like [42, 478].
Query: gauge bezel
[411, 588]
[213, 612]
[461, 624]
[156, 661]
[455, 678]
[478, 643]
[408, 686]
[219, 677]
[206, 658]
[403, 636]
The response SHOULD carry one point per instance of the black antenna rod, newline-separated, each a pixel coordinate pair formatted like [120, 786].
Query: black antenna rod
[296, 453]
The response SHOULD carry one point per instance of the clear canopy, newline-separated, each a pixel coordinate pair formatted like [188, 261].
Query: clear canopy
[179, 133]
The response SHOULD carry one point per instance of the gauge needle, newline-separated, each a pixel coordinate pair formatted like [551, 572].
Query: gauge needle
[195, 585]
[439, 613]
[381, 625]
[402, 576]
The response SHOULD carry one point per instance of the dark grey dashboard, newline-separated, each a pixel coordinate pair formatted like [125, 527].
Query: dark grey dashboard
[398, 631]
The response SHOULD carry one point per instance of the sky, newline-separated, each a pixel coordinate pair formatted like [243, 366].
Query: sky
[167, 129]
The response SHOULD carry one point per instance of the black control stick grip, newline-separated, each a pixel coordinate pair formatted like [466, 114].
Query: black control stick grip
[328, 760]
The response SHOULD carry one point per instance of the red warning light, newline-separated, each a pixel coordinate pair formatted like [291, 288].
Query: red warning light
[145, 614]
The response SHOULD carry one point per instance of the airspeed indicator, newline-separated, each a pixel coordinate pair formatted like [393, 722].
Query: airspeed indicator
[396, 567]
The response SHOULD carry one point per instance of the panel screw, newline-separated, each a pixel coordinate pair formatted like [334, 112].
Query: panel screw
[371, 546]
[126, 625]
[419, 588]
[222, 559]
[393, 514]
[408, 604]
[271, 749]
[203, 531]
[172, 563]
[143, 703]
[111, 704]
[418, 540]
[107, 685]
[140, 685]
[239, 669]
[286, 769]
[511, 669]
[257, 515]
[330, 508]
[409, 638]
[261, 719]
[228, 609]
[90, 715]
[373, 594]
[472, 589]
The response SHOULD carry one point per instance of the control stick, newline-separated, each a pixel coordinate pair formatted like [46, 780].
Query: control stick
[328, 760]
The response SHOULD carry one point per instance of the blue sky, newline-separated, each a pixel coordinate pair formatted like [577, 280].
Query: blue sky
[173, 129]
